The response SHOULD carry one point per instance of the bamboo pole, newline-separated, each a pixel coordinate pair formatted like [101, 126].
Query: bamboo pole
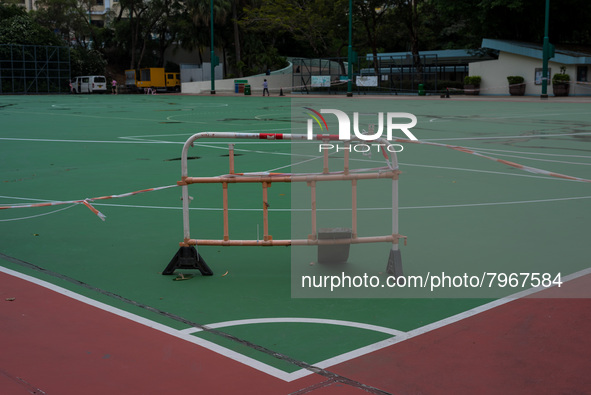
[225, 203]
[312, 185]
[296, 242]
[266, 236]
[231, 154]
[354, 208]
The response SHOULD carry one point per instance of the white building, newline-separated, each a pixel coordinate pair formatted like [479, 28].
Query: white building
[525, 60]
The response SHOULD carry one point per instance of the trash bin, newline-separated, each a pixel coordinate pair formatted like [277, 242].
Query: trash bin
[239, 86]
[334, 253]
[247, 90]
[422, 90]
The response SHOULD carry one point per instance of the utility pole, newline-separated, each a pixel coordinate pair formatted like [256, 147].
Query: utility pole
[547, 53]
[350, 53]
[212, 57]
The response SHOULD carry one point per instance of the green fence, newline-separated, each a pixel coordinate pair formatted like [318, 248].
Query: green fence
[34, 69]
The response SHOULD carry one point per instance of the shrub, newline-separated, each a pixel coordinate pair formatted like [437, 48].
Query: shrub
[472, 80]
[560, 78]
[514, 80]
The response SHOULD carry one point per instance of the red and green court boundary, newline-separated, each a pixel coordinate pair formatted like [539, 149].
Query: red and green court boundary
[95, 146]
[53, 343]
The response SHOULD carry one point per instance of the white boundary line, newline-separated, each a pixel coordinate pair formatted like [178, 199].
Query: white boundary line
[321, 209]
[533, 136]
[352, 324]
[154, 325]
[288, 377]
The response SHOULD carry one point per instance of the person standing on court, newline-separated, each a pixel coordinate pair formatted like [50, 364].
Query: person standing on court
[266, 88]
[114, 87]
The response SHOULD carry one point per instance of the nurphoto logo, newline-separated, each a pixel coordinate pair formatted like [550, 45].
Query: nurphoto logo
[371, 135]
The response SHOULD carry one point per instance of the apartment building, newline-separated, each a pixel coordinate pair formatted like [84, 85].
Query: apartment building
[98, 12]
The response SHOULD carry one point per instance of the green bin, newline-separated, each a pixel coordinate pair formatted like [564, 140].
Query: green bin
[247, 90]
[422, 90]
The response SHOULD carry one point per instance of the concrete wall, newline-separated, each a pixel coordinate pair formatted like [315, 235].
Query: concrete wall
[494, 75]
[282, 79]
[194, 72]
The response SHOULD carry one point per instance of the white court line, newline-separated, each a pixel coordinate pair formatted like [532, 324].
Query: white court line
[488, 172]
[490, 305]
[90, 141]
[359, 208]
[38, 215]
[322, 209]
[529, 153]
[209, 145]
[510, 137]
[280, 374]
[544, 160]
[256, 321]
[155, 325]
[102, 117]
[504, 116]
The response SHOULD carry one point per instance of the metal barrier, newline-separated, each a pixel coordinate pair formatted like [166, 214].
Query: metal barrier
[187, 256]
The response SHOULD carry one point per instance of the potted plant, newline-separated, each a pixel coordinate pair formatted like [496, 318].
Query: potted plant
[472, 85]
[516, 85]
[561, 83]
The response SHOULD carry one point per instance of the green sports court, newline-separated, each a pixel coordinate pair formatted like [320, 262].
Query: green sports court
[250, 327]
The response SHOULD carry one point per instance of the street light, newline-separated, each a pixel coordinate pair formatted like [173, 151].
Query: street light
[547, 53]
[350, 53]
[212, 57]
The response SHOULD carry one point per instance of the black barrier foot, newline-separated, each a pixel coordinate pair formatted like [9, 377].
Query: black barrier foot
[187, 258]
[395, 263]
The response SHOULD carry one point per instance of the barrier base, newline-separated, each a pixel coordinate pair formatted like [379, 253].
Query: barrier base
[394, 267]
[187, 258]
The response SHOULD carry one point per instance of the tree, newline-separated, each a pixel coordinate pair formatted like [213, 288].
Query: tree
[307, 21]
[16, 27]
[71, 18]
[371, 15]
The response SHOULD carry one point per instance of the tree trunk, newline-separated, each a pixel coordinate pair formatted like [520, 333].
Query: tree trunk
[133, 35]
[414, 40]
[236, 37]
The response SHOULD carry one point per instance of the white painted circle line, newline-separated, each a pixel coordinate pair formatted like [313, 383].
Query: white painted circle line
[252, 321]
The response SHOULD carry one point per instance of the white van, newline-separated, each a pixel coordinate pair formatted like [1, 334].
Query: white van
[90, 84]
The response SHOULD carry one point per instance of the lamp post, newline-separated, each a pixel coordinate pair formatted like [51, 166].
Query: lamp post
[545, 53]
[212, 57]
[350, 53]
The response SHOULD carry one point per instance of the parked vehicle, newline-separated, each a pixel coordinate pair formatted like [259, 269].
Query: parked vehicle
[131, 77]
[154, 79]
[90, 84]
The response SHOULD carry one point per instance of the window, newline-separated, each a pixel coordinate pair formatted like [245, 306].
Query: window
[582, 73]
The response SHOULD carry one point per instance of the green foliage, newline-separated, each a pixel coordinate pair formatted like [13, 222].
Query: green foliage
[86, 62]
[10, 10]
[255, 35]
[515, 80]
[560, 78]
[20, 29]
[472, 80]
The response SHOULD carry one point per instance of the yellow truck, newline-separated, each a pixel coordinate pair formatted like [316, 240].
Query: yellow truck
[153, 79]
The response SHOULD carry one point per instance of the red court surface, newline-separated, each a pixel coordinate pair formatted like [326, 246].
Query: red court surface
[54, 344]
